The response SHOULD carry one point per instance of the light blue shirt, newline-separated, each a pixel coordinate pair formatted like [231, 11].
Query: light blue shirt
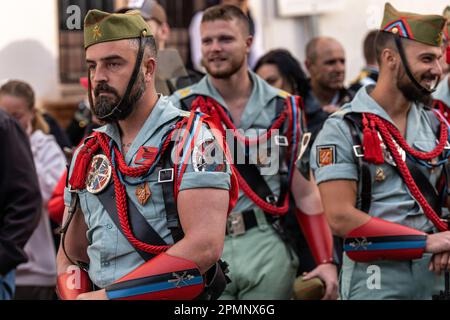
[111, 255]
[259, 114]
[391, 199]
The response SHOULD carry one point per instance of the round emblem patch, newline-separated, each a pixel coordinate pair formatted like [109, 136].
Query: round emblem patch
[204, 157]
[99, 174]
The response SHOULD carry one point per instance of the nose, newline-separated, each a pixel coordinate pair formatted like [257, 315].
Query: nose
[215, 46]
[436, 70]
[340, 66]
[98, 75]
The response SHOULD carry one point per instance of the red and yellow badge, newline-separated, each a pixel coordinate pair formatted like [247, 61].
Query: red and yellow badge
[146, 155]
[326, 156]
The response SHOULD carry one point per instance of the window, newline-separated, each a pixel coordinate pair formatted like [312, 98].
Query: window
[72, 64]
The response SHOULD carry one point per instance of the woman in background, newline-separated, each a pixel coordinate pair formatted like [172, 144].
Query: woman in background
[36, 279]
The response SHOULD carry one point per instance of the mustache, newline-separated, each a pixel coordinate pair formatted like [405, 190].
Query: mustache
[104, 88]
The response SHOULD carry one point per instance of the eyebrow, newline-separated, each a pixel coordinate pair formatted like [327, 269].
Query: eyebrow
[107, 58]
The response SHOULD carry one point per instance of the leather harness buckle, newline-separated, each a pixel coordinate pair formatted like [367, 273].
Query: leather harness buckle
[236, 224]
[358, 150]
[165, 175]
[281, 141]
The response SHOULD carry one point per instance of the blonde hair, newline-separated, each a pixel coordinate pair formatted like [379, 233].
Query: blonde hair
[23, 90]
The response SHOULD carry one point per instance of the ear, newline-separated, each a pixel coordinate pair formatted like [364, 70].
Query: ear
[249, 43]
[149, 69]
[308, 65]
[165, 31]
[389, 58]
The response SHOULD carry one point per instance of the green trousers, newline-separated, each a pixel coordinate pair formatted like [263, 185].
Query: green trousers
[389, 280]
[262, 266]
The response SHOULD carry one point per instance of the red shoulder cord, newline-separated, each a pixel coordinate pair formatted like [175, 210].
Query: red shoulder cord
[443, 108]
[100, 140]
[388, 133]
[220, 118]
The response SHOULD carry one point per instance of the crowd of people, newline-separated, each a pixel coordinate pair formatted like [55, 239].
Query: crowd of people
[245, 177]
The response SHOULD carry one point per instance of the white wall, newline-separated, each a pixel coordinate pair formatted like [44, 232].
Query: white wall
[349, 25]
[279, 32]
[29, 44]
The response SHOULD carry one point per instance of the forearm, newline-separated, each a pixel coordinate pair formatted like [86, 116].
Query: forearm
[306, 195]
[203, 252]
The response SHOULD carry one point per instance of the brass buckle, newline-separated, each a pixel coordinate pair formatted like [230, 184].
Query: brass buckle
[236, 224]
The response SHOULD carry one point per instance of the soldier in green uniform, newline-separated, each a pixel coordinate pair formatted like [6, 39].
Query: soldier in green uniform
[150, 223]
[262, 265]
[379, 166]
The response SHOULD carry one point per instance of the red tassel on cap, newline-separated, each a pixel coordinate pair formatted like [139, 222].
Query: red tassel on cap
[371, 143]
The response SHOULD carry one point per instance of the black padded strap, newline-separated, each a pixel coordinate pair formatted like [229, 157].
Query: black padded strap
[425, 187]
[139, 225]
[173, 220]
[365, 177]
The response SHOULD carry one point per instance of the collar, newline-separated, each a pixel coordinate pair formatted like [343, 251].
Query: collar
[162, 113]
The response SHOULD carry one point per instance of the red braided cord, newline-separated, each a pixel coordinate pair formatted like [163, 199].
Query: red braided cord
[389, 129]
[212, 108]
[410, 183]
[135, 172]
[121, 198]
[443, 108]
[216, 112]
[266, 207]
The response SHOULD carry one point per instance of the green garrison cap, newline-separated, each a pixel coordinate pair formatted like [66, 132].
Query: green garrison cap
[427, 29]
[102, 26]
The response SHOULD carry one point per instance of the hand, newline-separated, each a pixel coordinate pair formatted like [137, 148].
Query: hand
[328, 274]
[438, 242]
[440, 262]
[94, 295]
[331, 108]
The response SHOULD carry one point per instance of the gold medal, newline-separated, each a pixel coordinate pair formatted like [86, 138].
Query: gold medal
[143, 193]
[380, 176]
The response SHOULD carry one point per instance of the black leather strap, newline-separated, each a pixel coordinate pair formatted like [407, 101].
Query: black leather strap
[365, 178]
[401, 51]
[425, 187]
[173, 220]
[139, 225]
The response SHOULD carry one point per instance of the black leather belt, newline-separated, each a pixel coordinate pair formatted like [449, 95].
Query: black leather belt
[239, 223]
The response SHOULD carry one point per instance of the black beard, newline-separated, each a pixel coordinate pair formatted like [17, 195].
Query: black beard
[104, 105]
[410, 91]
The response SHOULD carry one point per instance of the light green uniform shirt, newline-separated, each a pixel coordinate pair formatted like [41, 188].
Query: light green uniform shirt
[111, 255]
[259, 114]
[391, 199]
